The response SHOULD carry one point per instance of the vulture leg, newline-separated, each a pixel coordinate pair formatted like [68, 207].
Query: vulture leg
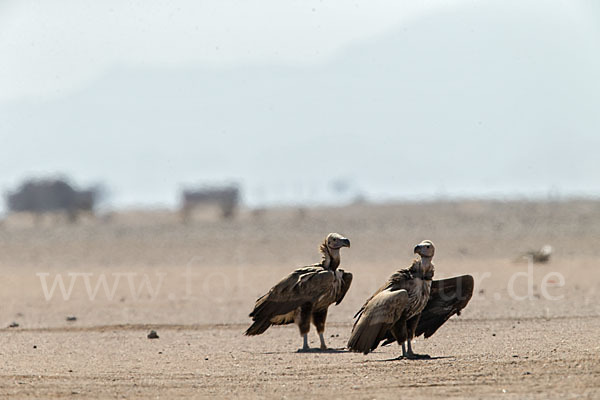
[408, 353]
[323, 345]
[319, 318]
[400, 333]
[303, 322]
[411, 326]
[413, 356]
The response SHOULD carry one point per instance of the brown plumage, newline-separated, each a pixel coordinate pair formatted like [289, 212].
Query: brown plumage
[409, 304]
[305, 295]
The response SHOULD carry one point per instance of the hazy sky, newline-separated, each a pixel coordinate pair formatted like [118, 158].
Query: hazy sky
[58, 47]
[398, 98]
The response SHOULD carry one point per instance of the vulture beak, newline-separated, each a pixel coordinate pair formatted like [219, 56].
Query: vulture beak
[345, 242]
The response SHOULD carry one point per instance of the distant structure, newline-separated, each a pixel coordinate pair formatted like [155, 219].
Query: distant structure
[227, 198]
[39, 196]
[542, 255]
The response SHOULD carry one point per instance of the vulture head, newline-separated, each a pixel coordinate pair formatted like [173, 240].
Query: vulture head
[425, 249]
[336, 241]
[330, 248]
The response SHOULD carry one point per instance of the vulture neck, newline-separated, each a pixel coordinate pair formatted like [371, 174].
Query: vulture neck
[331, 257]
[423, 267]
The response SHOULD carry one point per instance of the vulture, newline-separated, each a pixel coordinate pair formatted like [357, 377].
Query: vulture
[408, 305]
[305, 295]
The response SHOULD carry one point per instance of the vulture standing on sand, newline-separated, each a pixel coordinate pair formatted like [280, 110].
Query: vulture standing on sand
[410, 304]
[305, 294]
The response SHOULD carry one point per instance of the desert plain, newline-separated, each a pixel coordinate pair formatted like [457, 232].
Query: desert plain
[77, 302]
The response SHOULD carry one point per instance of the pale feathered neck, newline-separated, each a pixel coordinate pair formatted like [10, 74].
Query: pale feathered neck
[331, 257]
[422, 267]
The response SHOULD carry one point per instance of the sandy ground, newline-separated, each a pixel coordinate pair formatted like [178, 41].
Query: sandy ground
[529, 331]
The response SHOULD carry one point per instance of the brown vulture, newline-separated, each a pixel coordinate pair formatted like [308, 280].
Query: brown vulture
[410, 304]
[305, 294]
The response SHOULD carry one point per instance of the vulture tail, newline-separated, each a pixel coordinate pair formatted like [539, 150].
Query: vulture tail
[258, 327]
[365, 338]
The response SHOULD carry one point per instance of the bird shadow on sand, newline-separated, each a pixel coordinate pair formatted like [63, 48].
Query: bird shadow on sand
[310, 351]
[327, 350]
[411, 359]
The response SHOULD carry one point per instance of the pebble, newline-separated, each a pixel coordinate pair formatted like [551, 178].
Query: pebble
[153, 335]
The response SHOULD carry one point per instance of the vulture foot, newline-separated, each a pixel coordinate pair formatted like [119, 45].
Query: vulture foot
[313, 350]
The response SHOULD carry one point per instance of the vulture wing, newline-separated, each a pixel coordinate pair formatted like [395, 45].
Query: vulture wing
[386, 286]
[304, 285]
[376, 318]
[395, 282]
[346, 281]
[448, 297]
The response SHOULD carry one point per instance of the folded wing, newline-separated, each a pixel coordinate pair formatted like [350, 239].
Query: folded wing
[302, 286]
[346, 281]
[376, 318]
